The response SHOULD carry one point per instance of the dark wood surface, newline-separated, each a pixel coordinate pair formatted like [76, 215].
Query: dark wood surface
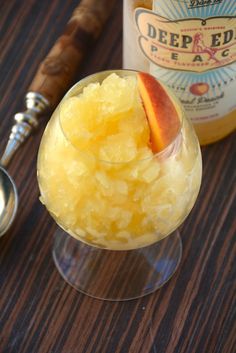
[39, 313]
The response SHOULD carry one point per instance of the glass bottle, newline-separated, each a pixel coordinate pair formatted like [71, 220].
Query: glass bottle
[191, 46]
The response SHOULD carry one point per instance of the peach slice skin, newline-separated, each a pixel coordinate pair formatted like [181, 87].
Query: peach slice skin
[161, 113]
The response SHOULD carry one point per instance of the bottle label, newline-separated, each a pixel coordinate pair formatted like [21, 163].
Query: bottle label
[195, 45]
[191, 46]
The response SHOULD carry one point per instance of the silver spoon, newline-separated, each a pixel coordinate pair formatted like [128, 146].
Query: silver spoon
[25, 123]
[8, 201]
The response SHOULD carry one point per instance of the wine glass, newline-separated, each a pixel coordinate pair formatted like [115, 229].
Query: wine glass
[117, 203]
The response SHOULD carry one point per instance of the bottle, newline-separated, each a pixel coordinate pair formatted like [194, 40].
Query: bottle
[191, 46]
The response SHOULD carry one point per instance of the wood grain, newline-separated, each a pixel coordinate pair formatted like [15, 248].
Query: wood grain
[39, 312]
[57, 71]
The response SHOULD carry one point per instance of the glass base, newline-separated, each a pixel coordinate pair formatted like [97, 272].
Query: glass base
[116, 275]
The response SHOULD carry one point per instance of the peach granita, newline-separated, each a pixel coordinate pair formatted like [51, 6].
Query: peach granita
[99, 175]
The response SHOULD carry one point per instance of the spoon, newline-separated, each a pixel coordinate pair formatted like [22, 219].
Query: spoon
[25, 123]
[8, 201]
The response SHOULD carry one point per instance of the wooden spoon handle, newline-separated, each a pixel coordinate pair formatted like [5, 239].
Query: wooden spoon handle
[58, 69]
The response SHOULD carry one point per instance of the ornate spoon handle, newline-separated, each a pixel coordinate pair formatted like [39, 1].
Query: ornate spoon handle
[57, 71]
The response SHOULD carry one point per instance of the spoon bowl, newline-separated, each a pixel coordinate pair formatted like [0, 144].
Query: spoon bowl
[8, 201]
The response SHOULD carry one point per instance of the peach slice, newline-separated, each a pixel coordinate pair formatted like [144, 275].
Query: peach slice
[161, 113]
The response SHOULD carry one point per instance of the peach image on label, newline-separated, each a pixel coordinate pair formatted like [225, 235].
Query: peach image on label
[199, 88]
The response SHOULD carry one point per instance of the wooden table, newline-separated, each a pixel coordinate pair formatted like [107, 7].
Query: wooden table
[39, 312]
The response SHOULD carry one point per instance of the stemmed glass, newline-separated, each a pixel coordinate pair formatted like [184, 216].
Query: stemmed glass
[117, 238]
